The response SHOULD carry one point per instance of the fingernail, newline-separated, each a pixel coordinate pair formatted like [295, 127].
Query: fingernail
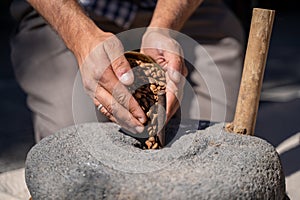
[127, 78]
[175, 76]
[139, 129]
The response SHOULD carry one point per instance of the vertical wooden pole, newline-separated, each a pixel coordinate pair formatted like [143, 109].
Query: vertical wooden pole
[254, 67]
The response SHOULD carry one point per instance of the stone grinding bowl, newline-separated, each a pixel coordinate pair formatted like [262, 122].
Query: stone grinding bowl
[97, 161]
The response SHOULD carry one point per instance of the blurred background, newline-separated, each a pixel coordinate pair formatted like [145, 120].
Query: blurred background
[278, 119]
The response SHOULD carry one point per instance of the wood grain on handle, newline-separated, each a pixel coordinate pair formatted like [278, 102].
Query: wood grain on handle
[254, 67]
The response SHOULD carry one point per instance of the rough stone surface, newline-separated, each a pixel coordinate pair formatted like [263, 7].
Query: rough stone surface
[97, 161]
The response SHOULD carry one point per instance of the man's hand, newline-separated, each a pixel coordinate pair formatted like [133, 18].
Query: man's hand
[158, 44]
[104, 72]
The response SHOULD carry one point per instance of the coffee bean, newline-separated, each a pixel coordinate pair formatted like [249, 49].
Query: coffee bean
[152, 133]
[155, 146]
[149, 128]
[143, 108]
[161, 83]
[150, 112]
[154, 119]
[151, 139]
[138, 95]
[147, 72]
[159, 73]
[152, 80]
[162, 79]
[152, 87]
[149, 144]
[149, 65]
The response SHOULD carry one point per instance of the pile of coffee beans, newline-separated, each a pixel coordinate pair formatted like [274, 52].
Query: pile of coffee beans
[149, 91]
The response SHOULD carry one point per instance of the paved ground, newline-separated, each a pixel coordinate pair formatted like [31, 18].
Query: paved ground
[278, 117]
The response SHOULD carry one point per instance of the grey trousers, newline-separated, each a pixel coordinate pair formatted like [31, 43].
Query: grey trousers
[46, 69]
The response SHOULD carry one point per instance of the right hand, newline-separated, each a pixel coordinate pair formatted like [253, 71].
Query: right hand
[167, 52]
[104, 71]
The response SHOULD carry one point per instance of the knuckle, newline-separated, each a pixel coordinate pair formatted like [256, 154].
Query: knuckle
[134, 106]
[97, 72]
[106, 113]
[121, 98]
[109, 108]
[112, 43]
[126, 121]
[120, 64]
[96, 102]
[106, 76]
[87, 84]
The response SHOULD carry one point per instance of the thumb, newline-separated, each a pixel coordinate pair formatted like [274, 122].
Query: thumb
[115, 53]
[122, 69]
[174, 67]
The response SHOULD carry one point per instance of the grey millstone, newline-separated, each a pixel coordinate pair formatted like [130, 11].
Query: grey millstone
[96, 161]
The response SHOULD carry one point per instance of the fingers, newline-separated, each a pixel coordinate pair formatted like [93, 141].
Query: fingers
[104, 74]
[116, 112]
[167, 52]
[176, 71]
[123, 70]
[172, 105]
[120, 105]
[114, 50]
[104, 111]
[174, 94]
[176, 68]
[120, 93]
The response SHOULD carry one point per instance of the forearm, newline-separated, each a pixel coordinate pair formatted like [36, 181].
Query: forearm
[172, 14]
[70, 22]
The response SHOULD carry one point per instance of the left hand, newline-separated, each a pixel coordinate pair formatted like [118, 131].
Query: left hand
[158, 44]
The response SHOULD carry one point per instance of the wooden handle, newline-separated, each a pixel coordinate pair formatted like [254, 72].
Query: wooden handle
[254, 67]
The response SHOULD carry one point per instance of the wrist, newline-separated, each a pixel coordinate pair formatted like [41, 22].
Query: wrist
[152, 32]
[83, 43]
[157, 23]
